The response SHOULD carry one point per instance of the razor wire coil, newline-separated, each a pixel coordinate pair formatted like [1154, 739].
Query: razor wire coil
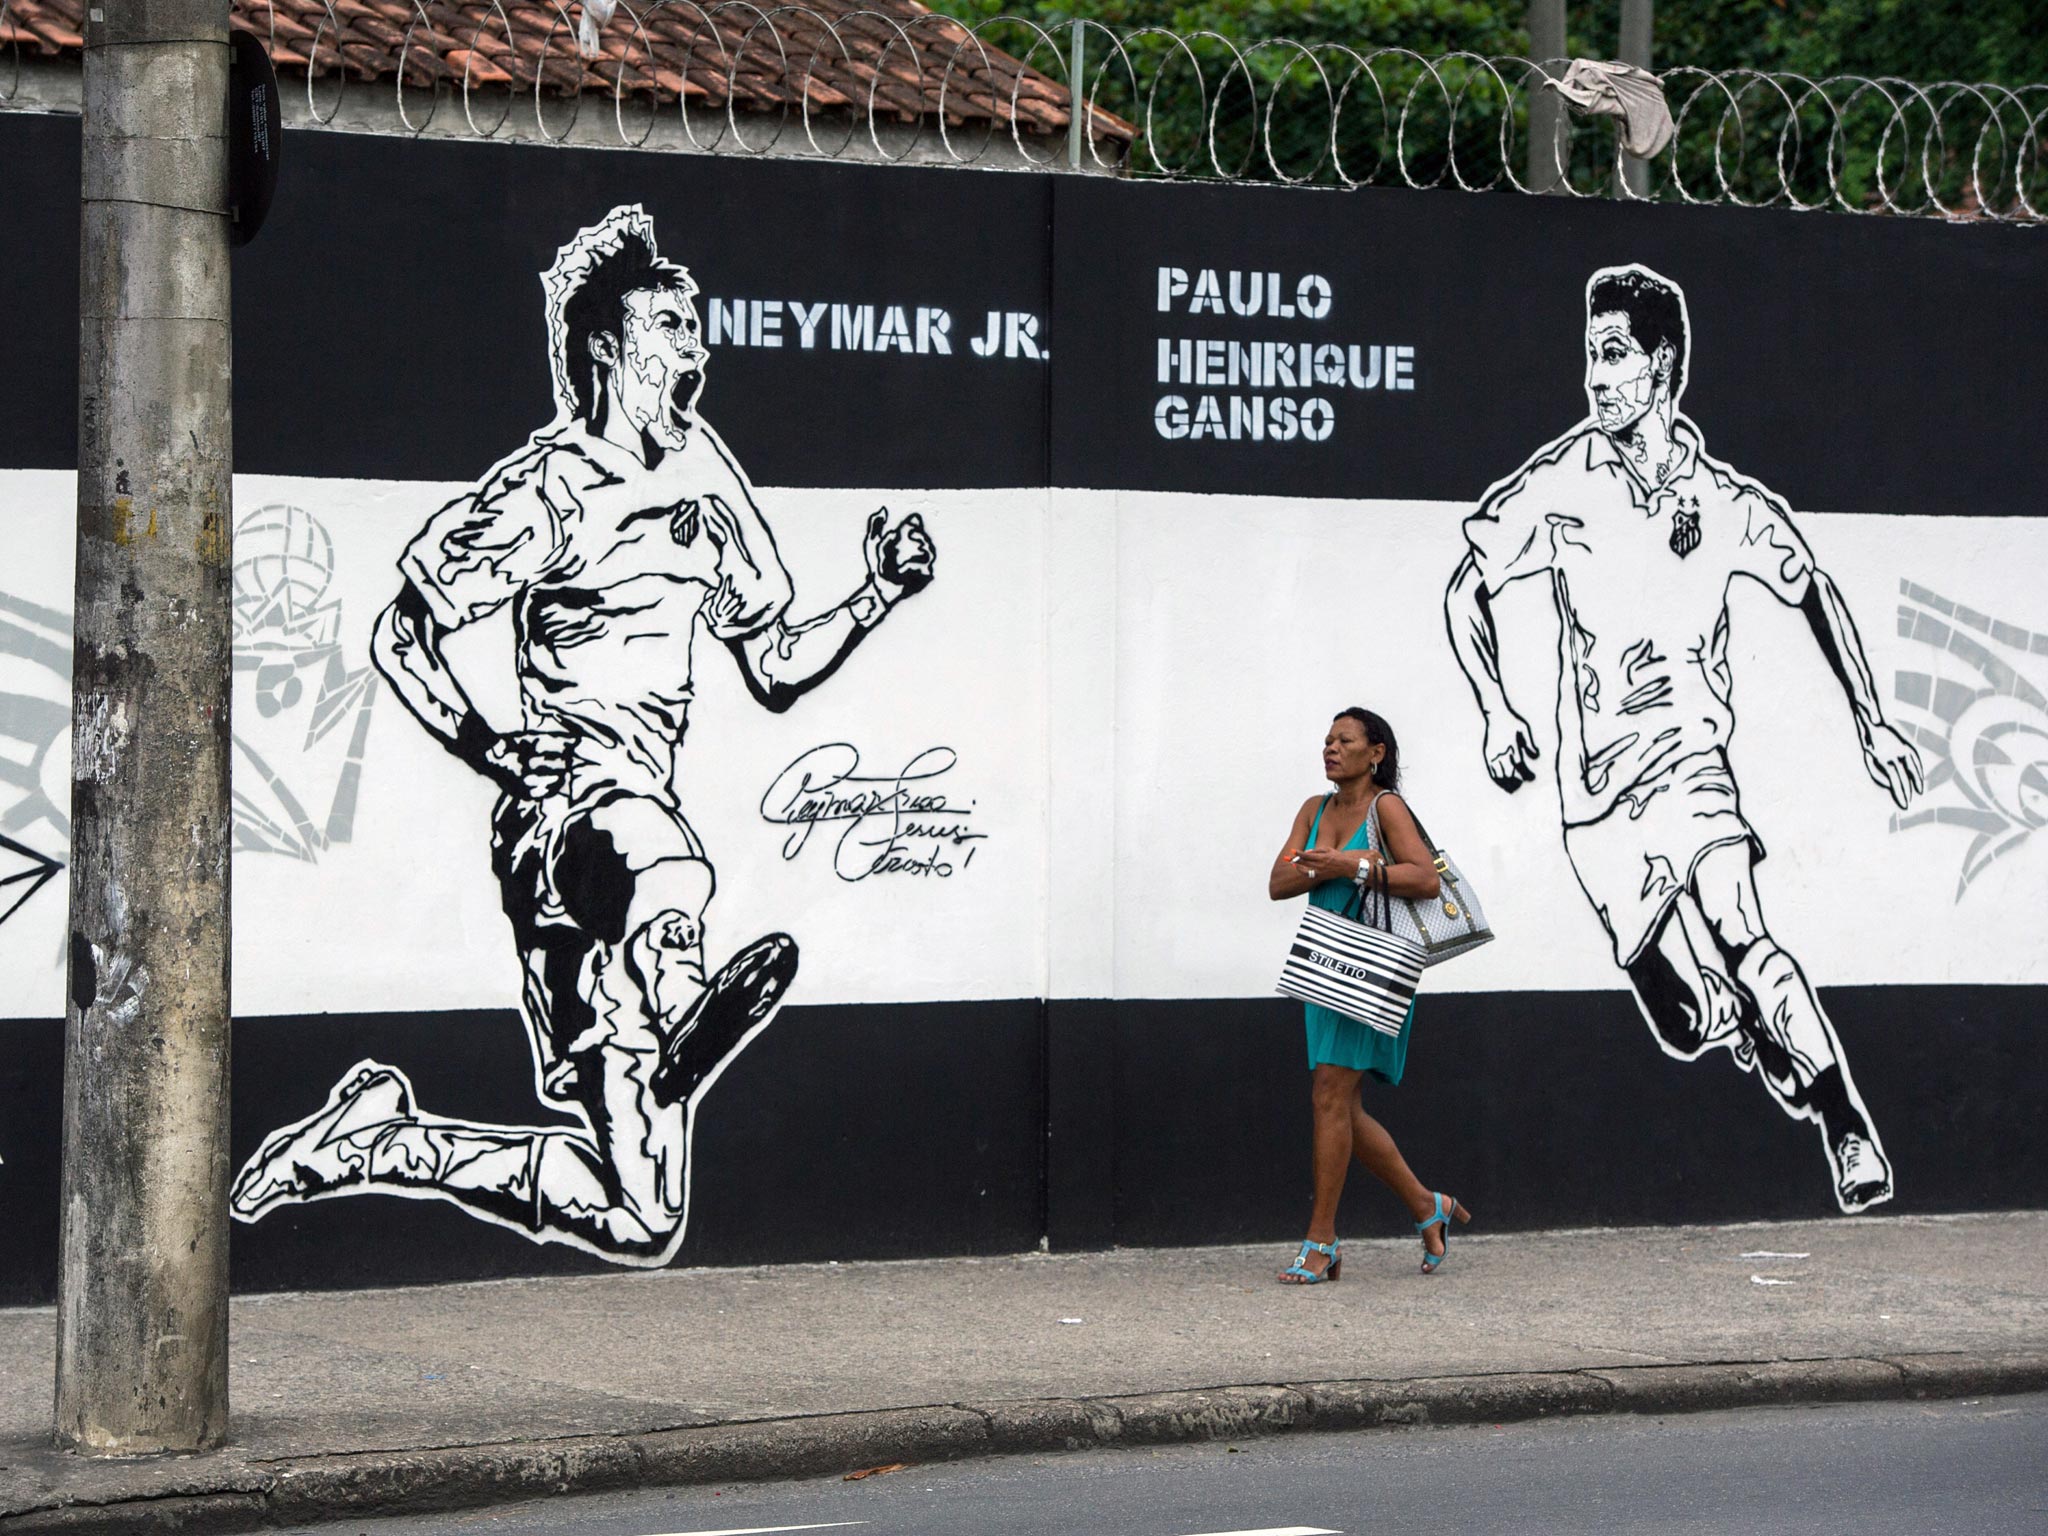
[746, 78]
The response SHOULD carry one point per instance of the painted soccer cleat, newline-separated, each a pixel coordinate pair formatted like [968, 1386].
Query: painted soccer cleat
[1863, 1176]
[734, 1003]
[329, 1149]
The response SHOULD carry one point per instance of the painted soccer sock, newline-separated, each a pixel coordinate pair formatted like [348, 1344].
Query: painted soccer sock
[1796, 1043]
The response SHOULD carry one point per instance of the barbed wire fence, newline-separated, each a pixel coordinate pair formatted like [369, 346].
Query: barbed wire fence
[745, 78]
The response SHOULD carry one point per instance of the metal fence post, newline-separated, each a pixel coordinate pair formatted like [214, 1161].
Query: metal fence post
[1548, 126]
[1632, 176]
[1077, 130]
[142, 1298]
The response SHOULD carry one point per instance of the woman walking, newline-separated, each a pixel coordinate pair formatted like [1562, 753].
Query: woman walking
[1332, 848]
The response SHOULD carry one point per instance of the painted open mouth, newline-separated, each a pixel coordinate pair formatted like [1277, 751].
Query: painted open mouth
[682, 396]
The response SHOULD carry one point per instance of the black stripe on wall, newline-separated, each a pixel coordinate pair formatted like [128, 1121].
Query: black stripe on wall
[1832, 356]
[389, 324]
[840, 1133]
[903, 1131]
[1549, 1109]
[31, 1157]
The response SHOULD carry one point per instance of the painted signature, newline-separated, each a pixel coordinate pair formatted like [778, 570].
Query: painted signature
[889, 823]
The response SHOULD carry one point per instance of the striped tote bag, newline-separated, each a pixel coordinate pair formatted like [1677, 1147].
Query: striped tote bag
[1350, 961]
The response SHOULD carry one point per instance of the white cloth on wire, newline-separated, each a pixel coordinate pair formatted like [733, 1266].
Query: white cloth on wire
[596, 15]
[1624, 91]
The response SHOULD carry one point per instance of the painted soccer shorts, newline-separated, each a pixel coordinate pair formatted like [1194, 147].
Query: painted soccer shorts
[1634, 861]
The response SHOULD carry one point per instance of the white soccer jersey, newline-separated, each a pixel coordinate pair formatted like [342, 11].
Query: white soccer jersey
[612, 564]
[1641, 577]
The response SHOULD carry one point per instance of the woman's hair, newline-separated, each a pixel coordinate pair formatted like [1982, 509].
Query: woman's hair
[1379, 734]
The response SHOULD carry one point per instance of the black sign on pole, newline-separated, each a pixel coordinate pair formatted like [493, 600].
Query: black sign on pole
[255, 136]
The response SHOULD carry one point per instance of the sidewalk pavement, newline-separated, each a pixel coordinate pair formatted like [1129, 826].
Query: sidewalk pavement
[349, 1403]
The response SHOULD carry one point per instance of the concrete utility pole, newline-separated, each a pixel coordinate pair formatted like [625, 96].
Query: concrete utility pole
[142, 1302]
[1637, 24]
[1548, 124]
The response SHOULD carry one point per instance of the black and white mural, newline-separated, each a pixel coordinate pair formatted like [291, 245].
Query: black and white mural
[302, 713]
[303, 721]
[35, 719]
[1979, 703]
[614, 534]
[1201, 458]
[1641, 533]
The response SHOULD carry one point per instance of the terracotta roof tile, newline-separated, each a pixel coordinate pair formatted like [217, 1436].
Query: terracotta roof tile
[836, 54]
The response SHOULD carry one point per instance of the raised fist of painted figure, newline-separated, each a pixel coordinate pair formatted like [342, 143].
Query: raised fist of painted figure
[900, 559]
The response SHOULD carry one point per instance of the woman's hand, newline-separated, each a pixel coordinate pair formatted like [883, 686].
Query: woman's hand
[1321, 864]
[1298, 870]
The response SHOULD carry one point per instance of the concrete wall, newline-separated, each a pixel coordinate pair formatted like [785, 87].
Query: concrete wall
[1020, 836]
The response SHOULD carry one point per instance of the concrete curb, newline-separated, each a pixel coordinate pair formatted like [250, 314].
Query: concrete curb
[227, 1493]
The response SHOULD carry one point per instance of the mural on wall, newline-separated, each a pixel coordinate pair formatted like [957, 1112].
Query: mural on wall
[287, 632]
[614, 533]
[901, 823]
[1642, 534]
[35, 715]
[302, 715]
[1987, 732]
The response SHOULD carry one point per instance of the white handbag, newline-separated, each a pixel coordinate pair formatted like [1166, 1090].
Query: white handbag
[1351, 962]
[1446, 924]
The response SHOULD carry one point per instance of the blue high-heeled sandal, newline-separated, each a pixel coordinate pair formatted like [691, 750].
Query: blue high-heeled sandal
[1442, 1218]
[1303, 1275]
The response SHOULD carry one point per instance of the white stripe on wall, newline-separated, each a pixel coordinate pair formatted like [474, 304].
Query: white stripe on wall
[1137, 687]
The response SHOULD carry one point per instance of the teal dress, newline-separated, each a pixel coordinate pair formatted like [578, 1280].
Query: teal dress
[1335, 1037]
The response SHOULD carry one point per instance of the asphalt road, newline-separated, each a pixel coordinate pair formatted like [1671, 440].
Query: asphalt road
[1978, 1467]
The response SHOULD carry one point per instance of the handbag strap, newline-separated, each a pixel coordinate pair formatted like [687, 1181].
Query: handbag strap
[1372, 812]
[1361, 905]
[1436, 854]
[1362, 901]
